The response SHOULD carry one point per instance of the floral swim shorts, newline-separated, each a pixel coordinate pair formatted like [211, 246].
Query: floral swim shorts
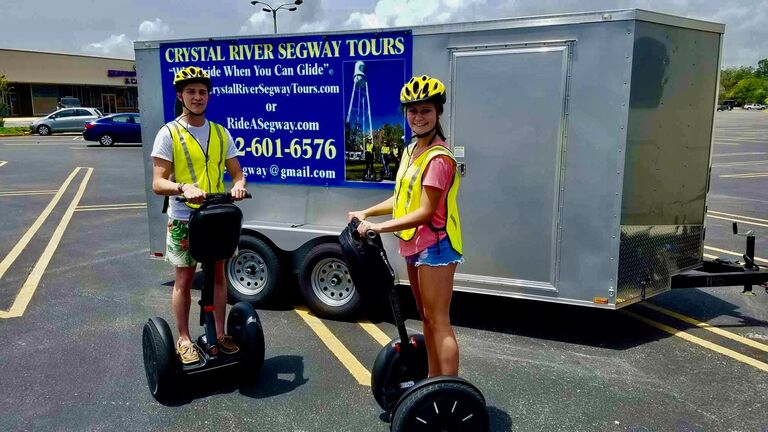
[177, 244]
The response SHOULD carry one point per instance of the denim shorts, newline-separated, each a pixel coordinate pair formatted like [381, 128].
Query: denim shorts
[431, 257]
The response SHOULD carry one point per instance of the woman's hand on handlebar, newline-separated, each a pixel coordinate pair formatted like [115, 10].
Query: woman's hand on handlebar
[193, 194]
[366, 226]
[360, 215]
[238, 193]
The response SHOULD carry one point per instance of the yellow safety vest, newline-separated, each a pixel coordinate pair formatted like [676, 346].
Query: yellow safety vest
[191, 165]
[408, 195]
[385, 150]
[369, 148]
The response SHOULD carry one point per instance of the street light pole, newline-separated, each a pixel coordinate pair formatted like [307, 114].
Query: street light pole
[269, 8]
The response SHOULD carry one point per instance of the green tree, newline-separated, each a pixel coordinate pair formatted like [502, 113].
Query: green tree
[729, 77]
[3, 91]
[762, 69]
[749, 90]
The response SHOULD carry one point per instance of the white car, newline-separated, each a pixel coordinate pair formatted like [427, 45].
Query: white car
[65, 120]
[753, 107]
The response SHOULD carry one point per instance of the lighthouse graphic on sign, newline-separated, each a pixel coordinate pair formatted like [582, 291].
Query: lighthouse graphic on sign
[359, 113]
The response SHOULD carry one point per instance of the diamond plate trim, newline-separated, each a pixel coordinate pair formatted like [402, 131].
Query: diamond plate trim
[650, 255]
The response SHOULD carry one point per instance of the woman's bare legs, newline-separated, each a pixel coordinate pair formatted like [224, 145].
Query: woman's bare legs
[435, 286]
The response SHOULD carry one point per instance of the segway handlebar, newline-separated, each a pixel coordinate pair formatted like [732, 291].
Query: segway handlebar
[370, 233]
[224, 196]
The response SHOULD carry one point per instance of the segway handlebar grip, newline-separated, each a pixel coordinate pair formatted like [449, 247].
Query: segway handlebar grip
[208, 197]
[355, 222]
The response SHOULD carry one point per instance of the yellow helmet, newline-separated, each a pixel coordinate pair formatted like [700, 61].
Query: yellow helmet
[422, 88]
[189, 75]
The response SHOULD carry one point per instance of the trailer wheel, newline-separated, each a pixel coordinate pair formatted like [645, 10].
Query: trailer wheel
[253, 274]
[326, 284]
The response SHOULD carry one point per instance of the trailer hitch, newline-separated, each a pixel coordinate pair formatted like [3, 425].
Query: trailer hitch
[722, 272]
[749, 256]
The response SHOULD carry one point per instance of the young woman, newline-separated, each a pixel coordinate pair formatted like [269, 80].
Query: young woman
[426, 219]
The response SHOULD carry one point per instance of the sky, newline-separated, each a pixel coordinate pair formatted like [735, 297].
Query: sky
[108, 28]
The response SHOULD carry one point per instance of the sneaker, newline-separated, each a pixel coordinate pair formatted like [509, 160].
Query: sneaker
[187, 352]
[227, 345]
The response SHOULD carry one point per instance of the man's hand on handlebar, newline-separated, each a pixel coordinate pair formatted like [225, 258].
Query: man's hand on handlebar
[193, 194]
[238, 193]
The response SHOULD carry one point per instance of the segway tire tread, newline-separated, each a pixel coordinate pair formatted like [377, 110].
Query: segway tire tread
[461, 407]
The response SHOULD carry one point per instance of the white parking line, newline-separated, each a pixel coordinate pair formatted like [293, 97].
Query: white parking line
[745, 175]
[739, 154]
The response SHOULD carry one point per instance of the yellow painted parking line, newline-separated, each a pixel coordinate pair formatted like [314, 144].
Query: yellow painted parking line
[699, 341]
[706, 326]
[763, 260]
[3, 163]
[725, 144]
[110, 205]
[14, 253]
[375, 332]
[738, 216]
[738, 220]
[26, 193]
[110, 208]
[33, 280]
[353, 365]
[711, 256]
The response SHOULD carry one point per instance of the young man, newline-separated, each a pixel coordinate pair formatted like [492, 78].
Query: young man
[188, 158]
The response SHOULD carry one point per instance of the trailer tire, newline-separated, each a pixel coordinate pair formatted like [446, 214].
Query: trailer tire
[325, 283]
[254, 273]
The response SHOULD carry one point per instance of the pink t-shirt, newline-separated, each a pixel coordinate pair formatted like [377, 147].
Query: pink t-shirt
[438, 174]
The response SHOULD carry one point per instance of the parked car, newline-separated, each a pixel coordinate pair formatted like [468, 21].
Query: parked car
[753, 107]
[125, 128]
[722, 107]
[65, 120]
[68, 102]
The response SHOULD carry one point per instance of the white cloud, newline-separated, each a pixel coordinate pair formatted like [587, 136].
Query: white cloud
[259, 23]
[121, 46]
[389, 13]
[113, 46]
[149, 30]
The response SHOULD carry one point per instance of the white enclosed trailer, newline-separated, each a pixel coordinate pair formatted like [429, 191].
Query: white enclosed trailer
[584, 141]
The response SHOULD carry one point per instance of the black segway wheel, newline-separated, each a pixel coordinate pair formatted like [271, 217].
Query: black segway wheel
[244, 326]
[394, 372]
[441, 404]
[160, 362]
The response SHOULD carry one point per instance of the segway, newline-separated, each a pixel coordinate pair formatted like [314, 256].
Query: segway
[399, 380]
[214, 232]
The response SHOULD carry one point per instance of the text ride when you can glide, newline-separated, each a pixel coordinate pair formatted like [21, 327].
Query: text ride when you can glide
[299, 148]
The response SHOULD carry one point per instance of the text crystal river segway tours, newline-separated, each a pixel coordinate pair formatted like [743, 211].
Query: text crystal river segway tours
[214, 232]
[399, 378]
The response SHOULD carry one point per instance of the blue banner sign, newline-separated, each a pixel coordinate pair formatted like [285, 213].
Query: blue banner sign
[312, 110]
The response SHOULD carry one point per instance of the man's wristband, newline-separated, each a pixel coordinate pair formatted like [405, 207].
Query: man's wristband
[180, 187]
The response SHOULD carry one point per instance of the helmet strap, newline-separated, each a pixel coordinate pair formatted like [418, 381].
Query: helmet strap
[190, 112]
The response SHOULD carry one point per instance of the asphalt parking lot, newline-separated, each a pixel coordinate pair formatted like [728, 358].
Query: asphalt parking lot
[76, 286]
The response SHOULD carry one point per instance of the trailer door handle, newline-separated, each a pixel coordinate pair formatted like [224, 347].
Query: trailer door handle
[462, 169]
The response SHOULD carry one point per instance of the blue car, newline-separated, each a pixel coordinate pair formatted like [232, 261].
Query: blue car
[124, 128]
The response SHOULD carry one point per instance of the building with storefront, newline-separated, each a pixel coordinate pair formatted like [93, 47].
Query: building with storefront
[38, 81]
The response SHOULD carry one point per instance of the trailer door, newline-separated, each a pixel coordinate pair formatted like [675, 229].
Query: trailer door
[509, 112]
